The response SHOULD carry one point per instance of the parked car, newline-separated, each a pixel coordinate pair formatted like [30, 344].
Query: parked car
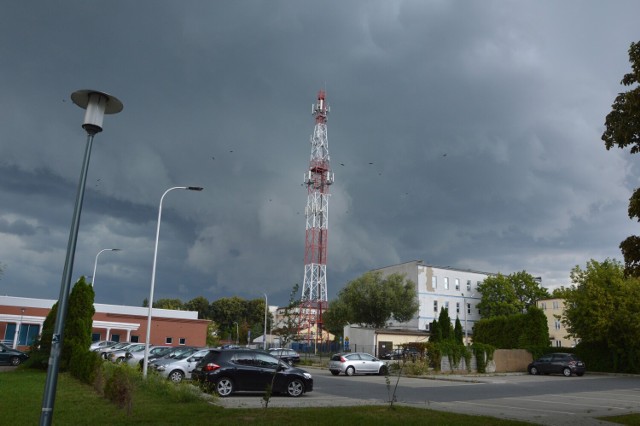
[120, 355]
[137, 357]
[357, 363]
[402, 353]
[10, 356]
[104, 352]
[226, 371]
[287, 355]
[177, 369]
[101, 344]
[558, 363]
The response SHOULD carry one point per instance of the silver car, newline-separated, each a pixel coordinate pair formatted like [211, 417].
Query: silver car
[357, 363]
[177, 369]
[120, 355]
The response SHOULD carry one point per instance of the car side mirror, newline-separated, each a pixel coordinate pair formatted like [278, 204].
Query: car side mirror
[281, 367]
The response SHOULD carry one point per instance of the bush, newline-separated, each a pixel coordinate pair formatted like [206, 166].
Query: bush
[416, 368]
[85, 366]
[119, 388]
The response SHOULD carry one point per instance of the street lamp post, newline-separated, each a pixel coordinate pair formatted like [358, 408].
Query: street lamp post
[153, 275]
[96, 104]
[464, 302]
[264, 337]
[95, 265]
[237, 334]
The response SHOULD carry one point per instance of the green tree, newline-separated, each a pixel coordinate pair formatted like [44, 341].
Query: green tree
[622, 129]
[444, 322]
[372, 300]
[199, 304]
[79, 322]
[458, 332]
[336, 317]
[601, 309]
[509, 295]
[175, 304]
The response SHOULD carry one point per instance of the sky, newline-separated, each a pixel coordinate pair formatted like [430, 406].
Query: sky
[463, 134]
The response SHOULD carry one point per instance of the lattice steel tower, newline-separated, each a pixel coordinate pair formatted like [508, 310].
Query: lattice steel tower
[318, 179]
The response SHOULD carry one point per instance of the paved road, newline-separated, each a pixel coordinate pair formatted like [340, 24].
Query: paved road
[548, 400]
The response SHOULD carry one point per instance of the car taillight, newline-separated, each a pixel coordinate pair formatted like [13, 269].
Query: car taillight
[572, 363]
[343, 359]
[211, 367]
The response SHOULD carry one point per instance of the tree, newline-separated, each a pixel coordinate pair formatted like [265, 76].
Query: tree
[622, 129]
[372, 300]
[601, 309]
[79, 322]
[509, 295]
[458, 332]
[175, 304]
[199, 304]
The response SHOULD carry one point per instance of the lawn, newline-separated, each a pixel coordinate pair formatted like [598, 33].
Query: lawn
[21, 393]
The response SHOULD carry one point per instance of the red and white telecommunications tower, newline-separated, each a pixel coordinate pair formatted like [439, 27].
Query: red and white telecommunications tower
[314, 287]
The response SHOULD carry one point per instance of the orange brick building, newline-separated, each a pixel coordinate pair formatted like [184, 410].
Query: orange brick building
[21, 322]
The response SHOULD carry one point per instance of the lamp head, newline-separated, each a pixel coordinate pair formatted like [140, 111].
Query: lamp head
[96, 104]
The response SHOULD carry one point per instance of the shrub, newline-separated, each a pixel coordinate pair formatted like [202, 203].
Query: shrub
[119, 389]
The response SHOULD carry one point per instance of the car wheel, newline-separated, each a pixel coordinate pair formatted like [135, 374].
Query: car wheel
[120, 360]
[566, 371]
[335, 373]
[295, 388]
[176, 376]
[224, 387]
[533, 371]
[350, 371]
[15, 361]
[383, 371]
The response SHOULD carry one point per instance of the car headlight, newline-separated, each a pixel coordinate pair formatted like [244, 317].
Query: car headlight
[160, 367]
[307, 376]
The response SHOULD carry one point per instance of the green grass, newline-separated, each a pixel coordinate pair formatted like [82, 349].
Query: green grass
[21, 394]
[629, 419]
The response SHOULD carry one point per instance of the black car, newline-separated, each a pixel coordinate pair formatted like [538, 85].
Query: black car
[226, 371]
[287, 355]
[558, 363]
[406, 353]
[9, 356]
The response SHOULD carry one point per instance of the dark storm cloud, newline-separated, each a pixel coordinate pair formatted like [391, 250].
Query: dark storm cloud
[462, 134]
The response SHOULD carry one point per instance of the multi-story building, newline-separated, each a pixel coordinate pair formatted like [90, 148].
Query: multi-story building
[441, 287]
[558, 334]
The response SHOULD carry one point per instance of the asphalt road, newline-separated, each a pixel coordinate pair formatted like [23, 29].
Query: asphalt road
[548, 400]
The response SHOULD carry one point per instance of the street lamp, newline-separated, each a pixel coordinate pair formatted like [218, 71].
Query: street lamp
[153, 275]
[237, 334]
[464, 302]
[95, 265]
[96, 105]
[264, 337]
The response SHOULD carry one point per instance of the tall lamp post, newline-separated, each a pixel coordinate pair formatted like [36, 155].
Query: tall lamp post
[464, 302]
[153, 275]
[237, 334]
[266, 308]
[95, 265]
[96, 104]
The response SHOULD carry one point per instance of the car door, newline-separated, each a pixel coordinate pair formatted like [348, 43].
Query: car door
[267, 365]
[558, 362]
[543, 364]
[245, 371]
[369, 363]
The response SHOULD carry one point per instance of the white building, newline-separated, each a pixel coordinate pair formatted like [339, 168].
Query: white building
[440, 287]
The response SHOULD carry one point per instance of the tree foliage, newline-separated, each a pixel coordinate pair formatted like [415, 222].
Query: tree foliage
[199, 304]
[249, 314]
[601, 309]
[372, 300]
[79, 322]
[518, 331]
[622, 129]
[509, 295]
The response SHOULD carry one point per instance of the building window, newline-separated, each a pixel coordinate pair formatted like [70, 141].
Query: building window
[446, 305]
[469, 308]
[182, 341]
[468, 285]
[457, 284]
[434, 282]
[457, 307]
[557, 324]
[135, 339]
[446, 283]
[168, 341]
[558, 344]
[95, 337]
[26, 334]
[115, 337]
[543, 306]
[435, 306]
[556, 304]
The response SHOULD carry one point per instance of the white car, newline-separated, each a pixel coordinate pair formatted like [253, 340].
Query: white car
[135, 358]
[120, 355]
[177, 369]
[101, 344]
[357, 363]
